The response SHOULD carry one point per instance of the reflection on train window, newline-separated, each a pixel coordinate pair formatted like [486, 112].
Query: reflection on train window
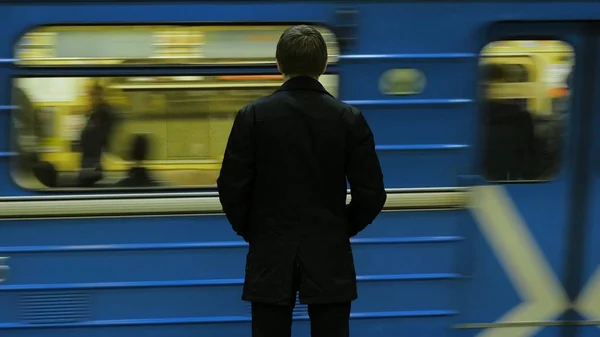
[130, 131]
[152, 45]
[525, 96]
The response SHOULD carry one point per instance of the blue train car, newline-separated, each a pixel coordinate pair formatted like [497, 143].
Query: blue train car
[453, 254]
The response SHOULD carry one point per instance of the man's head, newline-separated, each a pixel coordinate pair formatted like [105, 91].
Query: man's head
[301, 51]
[490, 75]
[96, 94]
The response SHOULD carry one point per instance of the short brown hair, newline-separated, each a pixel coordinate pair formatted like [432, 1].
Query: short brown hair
[301, 51]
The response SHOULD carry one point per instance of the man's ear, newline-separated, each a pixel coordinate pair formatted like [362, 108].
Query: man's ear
[279, 67]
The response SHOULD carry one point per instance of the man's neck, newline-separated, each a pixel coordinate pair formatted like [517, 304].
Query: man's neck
[289, 77]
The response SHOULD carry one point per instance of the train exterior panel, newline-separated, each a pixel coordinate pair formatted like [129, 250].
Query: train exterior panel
[452, 255]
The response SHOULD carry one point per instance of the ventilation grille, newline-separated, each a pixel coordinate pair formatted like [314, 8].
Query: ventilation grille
[52, 307]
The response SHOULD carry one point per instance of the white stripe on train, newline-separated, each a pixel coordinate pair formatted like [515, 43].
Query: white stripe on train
[541, 293]
[588, 303]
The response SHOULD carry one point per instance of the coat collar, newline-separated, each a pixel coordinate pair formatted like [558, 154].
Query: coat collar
[303, 83]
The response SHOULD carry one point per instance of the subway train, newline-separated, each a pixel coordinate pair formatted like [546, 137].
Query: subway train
[476, 239]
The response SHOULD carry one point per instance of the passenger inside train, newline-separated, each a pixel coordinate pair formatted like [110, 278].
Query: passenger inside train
[510, 143]
[94, 136]
[525, 103]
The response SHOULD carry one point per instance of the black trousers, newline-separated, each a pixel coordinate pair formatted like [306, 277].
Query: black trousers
[326, 320]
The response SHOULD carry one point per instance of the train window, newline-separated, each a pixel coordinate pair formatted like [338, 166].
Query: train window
[402, 82]
[154, 45]
[184, 123]
[524, 99]
[141, 131]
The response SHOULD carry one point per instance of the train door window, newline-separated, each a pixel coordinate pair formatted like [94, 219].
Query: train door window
[99, 131]
[525, 95]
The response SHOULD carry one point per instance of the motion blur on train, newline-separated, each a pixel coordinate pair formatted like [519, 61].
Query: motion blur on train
[115, 119]
[97, 131]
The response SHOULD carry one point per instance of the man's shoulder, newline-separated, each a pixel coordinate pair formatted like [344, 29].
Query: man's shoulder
[261, 101]
[349, 112]
[277, 97]
[258, 103]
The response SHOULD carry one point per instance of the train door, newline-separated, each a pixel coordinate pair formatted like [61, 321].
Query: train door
[588, 299]
[535, 261]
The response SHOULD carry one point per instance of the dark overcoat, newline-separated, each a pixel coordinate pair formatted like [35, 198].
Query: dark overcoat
[283, 187]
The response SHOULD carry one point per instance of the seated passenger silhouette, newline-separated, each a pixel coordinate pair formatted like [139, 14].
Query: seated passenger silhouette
[46, 173]
[95, 137]
[138, 176]
[510, 140]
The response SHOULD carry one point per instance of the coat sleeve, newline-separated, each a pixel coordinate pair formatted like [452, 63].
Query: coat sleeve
[237, 172]
[364, 175]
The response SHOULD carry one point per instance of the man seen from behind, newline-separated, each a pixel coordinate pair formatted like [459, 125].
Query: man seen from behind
[283, 187]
